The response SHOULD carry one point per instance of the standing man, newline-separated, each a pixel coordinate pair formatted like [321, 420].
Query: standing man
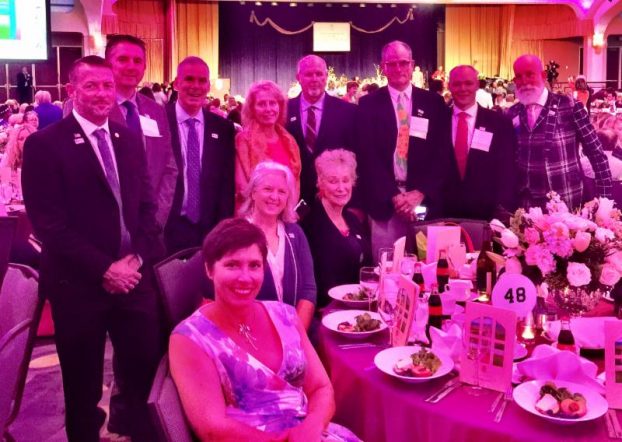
[24, 86]
[90, 202]
[203, 144]
[548, 127]
[46, 111]
[317, 121]
[404, 146]
[481, 177]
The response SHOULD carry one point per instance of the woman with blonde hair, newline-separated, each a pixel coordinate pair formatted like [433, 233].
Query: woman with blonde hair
[263, 137]
[14, 153]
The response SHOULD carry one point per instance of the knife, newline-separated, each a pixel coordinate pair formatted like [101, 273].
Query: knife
[445, 386]
[444, 392]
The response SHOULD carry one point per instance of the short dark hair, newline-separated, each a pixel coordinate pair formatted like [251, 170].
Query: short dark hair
[230, 235]
[89, 60]
[117, 39]
[608, 138]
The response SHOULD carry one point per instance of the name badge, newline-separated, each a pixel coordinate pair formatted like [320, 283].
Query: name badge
[419, 127]
[215, 135]
[481, 140]
[149, 127]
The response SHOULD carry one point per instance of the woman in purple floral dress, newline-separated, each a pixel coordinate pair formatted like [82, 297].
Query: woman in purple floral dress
[244, 369]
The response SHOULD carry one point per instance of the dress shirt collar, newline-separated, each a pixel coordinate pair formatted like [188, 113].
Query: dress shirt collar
[319, 104]
[395, 93]
[471, 111]
[543, 97]
[87, 126]
[132, 99]
[182, 115]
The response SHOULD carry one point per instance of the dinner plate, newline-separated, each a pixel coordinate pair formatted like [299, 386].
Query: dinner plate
[527, 394]
[332, 320]
[340, 291]
[607, 297]
[589, 333]
[386, 359]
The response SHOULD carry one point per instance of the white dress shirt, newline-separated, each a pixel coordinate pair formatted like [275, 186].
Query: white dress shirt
[483, 98]
[89, 128]
[199, 125]
[472, 115]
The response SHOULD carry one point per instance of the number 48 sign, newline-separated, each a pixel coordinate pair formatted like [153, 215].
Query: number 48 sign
[515, 292]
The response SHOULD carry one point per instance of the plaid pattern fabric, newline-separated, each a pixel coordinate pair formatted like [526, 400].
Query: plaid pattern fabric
[548, 155]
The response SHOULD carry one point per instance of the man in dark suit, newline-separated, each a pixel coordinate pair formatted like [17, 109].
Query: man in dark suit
[203, 144]
[403, 145]
[330, 126]
[47, 112]
[89, 198]
[481, 177]
[24, 86]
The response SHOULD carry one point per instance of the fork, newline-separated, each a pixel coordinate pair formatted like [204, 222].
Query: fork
[615, 431]
[501, 410]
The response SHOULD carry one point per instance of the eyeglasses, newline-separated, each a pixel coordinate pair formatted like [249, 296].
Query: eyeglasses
[397, 63]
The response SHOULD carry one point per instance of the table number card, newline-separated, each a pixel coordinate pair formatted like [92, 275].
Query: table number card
[515, 292]
[488, 346]
[613, 363]
[405, 308]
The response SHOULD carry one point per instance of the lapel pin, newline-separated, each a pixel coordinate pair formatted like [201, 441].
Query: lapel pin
[78, 140]
[292, 119]
[116, 135]
[291, 235]
[482, 128]
[215, 136]
[551, 113]
[420, 112]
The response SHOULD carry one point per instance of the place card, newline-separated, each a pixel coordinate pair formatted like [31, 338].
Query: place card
[405, 308]
[613, 363]
[515, 292]
[488, 346]
[398, 254]
[441, 237]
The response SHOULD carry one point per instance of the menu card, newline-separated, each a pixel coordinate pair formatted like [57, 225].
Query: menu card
[405, 308]
[489, 336]
[441, 237]
[613, 363]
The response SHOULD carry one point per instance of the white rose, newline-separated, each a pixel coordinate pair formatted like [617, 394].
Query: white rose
[603, 214]
[602, 235]
[578, 274]
[609, 275]
[509, 239]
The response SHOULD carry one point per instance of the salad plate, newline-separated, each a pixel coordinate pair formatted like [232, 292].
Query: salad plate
[355, 291]
[393, 361]
[355, 324]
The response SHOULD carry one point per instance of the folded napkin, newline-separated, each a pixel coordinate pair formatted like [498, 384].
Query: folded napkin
[448, 342]
[548, 363]
[417, 329]
[429, 274]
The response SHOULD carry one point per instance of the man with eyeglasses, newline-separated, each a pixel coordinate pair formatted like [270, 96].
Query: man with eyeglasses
[403, 146]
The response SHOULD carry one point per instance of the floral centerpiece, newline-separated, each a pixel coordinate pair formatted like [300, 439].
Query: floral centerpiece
[577, 254]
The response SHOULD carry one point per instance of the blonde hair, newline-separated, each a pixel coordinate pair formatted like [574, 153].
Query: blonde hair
[15, 152]
[248, 111]
[262, 169]
[335, 158]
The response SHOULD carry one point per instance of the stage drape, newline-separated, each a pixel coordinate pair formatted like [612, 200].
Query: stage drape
[144, 19]
[196, 33]
[249, 52]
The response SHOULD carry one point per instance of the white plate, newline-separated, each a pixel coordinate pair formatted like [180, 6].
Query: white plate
[589, 333]
[386, 359]
[607, 297]
[527, 394]
[332, 320]
[340, 291]
[520, 351]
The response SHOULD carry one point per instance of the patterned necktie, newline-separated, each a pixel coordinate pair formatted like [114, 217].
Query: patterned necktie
[113, 181]
[132, 118]
[533, 112]
[310, 135]
[462, 143]
[193, 171]
[401, 149]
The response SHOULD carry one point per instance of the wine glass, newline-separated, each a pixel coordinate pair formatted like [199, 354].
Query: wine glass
[369, 280]
[407, 265]
[471, 342]
[385, 259]
[387, 302]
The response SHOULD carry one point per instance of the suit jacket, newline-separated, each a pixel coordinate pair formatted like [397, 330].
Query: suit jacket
[24, 81]
[489, 182]
[336, 129]
[217, 170]
[376, 140]
[48, 114]
[161, 162]
[73, 210]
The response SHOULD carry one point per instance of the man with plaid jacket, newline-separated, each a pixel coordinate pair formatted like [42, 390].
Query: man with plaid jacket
[549, 128]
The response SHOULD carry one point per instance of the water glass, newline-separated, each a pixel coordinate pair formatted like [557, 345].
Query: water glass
[369, 280]
[472, 347]
[407, 265]
[387, 301]
[385, 259]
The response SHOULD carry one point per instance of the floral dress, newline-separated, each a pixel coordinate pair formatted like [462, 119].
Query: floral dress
[254, 394]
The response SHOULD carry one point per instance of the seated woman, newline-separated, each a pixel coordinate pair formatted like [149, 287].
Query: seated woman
[244, 369]
[269, 204]
[263, 137]
[338, 243]
[14, 152]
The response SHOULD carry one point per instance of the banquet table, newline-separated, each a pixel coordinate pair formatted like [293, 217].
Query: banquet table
[381, 408]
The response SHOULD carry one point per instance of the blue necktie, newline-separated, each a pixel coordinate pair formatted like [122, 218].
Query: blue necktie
[193, 171]
[132, 117]
[113, 181]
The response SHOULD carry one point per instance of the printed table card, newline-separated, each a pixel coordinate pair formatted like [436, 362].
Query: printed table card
[405, 307]
[613, 363]
[489, 336]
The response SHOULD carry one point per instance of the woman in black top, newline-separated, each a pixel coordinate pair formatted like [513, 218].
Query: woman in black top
[336, 237]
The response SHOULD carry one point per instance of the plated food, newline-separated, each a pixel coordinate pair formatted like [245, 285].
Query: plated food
[413, 364]
[561, 402]
[362, 323]
[352, 295]
[358, 295]
[354, 323]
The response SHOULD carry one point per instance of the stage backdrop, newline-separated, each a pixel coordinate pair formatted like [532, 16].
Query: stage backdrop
[249, 52]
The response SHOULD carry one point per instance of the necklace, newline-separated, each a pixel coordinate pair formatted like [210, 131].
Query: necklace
[245, 331]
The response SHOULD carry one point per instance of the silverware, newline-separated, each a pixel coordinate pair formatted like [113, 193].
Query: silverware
[611, 432]
[496, 402]
[446, 392]
[615, 423]
[501, 410]
[352, 346]
[447, 388]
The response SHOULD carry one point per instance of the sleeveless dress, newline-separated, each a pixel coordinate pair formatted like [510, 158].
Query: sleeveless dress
[254, 394]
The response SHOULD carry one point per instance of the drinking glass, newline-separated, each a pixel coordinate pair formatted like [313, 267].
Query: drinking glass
[407, 265]
[369, 280]
[472, 348]
[385, 259]
[387, 302]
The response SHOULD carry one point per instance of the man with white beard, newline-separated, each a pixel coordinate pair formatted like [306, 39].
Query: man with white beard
[549, 127]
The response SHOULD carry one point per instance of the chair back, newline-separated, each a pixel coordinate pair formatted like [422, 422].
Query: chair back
[8, 226]
[21, 309]
[165, 408]
[183, 284]
[472, 231]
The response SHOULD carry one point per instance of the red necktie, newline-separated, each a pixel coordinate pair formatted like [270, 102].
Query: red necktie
[462, 143]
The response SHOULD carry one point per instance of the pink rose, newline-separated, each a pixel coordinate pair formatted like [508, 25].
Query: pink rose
[615, 260]
[509, 239]
[532, 235]
[578, 274]
[609, 275]
[602, 235]
[538, 218]
[581, 241]
[513, 265]
[540, 256]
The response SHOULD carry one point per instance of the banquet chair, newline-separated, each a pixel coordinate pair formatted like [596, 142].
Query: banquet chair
[183, 284]
[8, 226]
[474, 228]
[165, 408]
[20, 307]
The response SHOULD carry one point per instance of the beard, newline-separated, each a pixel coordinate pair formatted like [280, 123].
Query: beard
[529, 94]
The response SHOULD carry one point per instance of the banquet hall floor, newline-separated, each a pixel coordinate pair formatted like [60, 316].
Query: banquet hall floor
[41, 415]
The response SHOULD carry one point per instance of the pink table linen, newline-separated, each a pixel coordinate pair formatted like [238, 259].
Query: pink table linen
[379, 408]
